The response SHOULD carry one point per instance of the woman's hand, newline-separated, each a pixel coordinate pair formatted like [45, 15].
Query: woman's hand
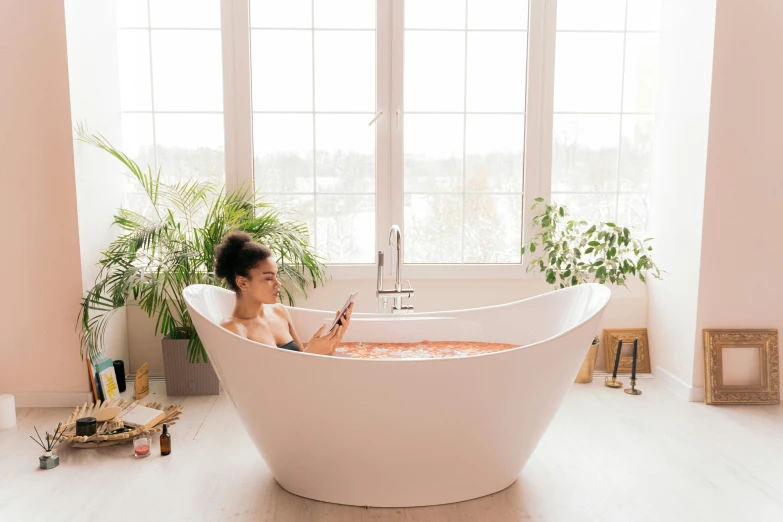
[325, 343]
[346, 320]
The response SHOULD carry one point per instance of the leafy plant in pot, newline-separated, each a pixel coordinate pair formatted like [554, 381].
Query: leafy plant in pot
[171, 246]
[570, 251]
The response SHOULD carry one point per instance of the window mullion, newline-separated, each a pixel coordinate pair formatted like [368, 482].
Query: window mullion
[395, 123]
[383, 139]
[237, 97]
[540, 99]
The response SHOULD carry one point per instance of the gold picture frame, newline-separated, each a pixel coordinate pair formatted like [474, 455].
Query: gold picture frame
[768, 389]
[627, 335]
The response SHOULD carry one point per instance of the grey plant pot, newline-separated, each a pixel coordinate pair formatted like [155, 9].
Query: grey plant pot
[183, 377]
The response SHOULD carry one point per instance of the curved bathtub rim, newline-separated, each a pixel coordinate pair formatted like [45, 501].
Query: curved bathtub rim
[401, 318]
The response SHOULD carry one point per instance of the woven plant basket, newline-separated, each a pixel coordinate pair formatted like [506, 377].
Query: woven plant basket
[183, 377]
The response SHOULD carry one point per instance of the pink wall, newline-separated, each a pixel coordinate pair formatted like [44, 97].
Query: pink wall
[742, 250]
[39, 348]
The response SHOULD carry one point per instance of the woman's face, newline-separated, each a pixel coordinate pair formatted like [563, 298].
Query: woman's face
[263, 285]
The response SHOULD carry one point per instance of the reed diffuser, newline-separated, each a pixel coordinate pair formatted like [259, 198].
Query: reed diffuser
[49, 459]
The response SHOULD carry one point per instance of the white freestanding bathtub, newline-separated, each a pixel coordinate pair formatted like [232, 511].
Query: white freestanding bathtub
[405, 432]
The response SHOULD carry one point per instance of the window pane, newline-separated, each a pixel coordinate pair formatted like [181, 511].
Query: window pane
[283, 146]
[641, 72]
[494, 153]
[434, 71]
[345, 14]
[185, 13]
[190, 146]
[345, 153]
[297, 207]
[137, 139]
[433, 152]
[188, 72]
[634, 213]
[282, 81]
[584, 153]
[276, 13]
[133, 49]
[588, 72]
[607, 15]
[636, 153]
[497, 14]
[345, 228]
[644, 15]
[138, 144]
[433, 228]
[493, 228]
[593, 207]
[435, 14]
[345, 71]
[132, 13]
[496, 71]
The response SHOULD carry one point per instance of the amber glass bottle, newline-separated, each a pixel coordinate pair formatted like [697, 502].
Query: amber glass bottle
[165, 441]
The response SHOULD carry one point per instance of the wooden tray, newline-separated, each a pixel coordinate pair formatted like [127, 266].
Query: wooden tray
[99, 439]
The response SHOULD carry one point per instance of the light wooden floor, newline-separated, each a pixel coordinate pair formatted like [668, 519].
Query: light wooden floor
[606, 457]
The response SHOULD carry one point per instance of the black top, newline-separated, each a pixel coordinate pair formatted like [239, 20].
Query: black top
[290, 345]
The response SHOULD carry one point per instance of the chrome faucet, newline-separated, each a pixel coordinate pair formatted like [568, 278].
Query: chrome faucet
[395, 241]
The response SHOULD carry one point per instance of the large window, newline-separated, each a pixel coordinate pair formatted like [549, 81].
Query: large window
[171, 86]
[446, 117]
[313, 93]
[605, 76]
[464, 78]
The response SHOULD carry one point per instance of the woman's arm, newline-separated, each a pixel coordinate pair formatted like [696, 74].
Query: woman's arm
[291, 328]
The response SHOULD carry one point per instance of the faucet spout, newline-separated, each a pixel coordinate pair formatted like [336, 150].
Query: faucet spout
[395, 241]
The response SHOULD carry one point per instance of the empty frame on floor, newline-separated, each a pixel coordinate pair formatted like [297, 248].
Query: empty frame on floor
[741, 367]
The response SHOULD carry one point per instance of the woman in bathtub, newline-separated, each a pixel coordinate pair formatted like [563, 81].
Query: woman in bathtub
[248, 269]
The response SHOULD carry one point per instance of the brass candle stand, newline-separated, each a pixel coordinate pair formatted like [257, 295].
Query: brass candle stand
[632, 390]
[613, 382]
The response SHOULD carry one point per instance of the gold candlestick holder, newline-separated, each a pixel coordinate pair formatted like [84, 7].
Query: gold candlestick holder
[612, 382]
[632, 390]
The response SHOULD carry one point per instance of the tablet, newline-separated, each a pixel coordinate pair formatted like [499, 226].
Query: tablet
[342, 312]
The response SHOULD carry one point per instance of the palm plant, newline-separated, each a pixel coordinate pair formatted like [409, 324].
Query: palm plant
[162, 251]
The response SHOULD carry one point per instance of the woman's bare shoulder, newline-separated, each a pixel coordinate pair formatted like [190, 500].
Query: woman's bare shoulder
[280, 309]
[232, 325]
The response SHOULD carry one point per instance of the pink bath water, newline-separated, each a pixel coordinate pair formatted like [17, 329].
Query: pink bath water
[420, 350]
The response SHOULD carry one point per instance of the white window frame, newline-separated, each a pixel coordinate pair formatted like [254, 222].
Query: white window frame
[238, 111]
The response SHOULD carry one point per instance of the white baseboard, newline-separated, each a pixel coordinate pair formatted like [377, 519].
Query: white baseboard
[680, 388]
[51, 399]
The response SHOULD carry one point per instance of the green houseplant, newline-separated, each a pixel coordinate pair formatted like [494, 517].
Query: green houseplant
[162, 251]
[569, 251]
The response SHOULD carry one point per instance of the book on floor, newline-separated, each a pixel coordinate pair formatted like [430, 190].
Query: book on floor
[138, 416]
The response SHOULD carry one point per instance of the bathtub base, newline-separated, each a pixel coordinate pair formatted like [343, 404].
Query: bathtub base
[389, 500]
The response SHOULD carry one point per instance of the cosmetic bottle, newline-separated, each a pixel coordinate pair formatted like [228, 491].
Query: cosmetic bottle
[165, 441]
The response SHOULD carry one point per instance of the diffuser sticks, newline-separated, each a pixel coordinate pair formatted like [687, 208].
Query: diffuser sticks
[49, 459]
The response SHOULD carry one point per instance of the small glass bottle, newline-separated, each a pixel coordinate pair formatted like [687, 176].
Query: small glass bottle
[165, 441]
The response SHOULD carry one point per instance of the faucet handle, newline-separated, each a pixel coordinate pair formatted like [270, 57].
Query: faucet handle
[410, 287]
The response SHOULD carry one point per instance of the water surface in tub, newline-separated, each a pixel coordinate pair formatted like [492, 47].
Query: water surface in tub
[420, 350]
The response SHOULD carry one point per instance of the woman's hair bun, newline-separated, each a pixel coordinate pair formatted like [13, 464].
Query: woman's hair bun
[236, 255]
